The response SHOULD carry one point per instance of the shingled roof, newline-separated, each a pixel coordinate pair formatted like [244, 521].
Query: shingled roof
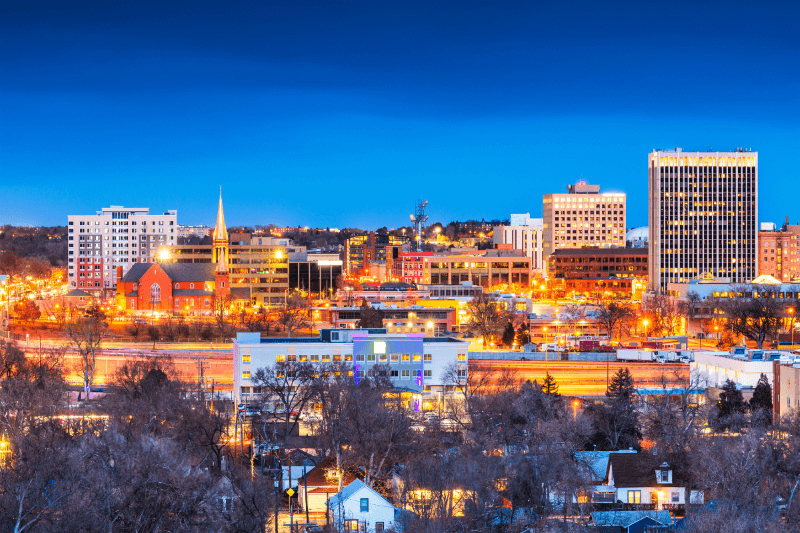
[135, 273]
[317, 476]
[177, 272]
[639, 470]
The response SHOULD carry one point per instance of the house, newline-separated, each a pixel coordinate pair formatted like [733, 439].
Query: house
[320, 483]
[630, 521]
[596, 463]
[360, 508]
[643, 481]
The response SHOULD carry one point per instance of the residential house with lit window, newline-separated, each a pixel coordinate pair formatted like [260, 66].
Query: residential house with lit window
[358, 507]
[645, 481]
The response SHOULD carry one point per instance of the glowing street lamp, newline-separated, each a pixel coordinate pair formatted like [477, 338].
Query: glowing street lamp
[791, 313]
[645, 322]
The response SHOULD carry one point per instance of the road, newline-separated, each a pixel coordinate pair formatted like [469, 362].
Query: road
[582, 378]
[217, 364]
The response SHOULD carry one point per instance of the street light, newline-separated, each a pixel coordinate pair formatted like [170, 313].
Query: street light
[791, 313]
[575, 405]
[645, 328]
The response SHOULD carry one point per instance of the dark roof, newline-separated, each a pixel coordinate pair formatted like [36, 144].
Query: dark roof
[639, 470]
[135, 273]
[191, 292]
[178, 272]
[74, 293]
[595, 250]
[134, 294]
[317, 476]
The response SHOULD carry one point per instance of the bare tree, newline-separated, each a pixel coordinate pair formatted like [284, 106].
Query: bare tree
[87, 333]
[756, 318]
[663, 311]
[289, 385]
[294, 314]
[612, 315]
[485, 318]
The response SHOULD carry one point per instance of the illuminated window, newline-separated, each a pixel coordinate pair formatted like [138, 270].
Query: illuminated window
[155, 293]
[246, 375]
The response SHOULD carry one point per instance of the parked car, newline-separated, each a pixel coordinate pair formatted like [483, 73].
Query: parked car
[313, 528]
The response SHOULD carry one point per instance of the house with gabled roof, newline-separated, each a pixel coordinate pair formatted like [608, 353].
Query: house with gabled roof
[645, 481]
[359, 507]
[320, 483]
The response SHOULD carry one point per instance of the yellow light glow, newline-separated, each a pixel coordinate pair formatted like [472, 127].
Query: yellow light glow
[163, 254]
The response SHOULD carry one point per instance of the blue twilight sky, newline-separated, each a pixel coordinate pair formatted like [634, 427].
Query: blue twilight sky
[343, 113]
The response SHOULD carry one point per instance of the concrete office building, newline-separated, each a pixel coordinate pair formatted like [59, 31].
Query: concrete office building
[703, 216]
[114, 236]
[418, 363]
[583, 217]
[526, 234]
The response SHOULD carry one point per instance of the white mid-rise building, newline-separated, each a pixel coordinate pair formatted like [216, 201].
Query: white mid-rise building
[583, 217]
[115, 236]
[526, 234]
[418, 364]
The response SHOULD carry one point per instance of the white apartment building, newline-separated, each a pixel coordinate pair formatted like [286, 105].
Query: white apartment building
[526, 234]
[583, 217]
[703, 216]
[115, 236]
[194, 231]
[418, 364]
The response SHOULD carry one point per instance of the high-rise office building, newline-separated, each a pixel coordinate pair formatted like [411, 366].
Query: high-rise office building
[583, 217]
[703, 216]
[115, 236]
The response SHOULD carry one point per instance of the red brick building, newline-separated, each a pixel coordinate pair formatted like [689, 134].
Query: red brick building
[778, 254]
[188, 288]
[180, 288]
[409, 269]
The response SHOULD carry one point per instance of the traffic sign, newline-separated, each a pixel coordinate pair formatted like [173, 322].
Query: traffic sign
[290, 492]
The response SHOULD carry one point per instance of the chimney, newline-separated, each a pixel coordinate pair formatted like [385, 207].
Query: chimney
[119, 275]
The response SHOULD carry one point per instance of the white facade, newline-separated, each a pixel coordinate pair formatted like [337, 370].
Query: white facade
[526, 234]
[418, 363]
[583, 217]
[115, 236]
[194, 231]
[703, 216]
[716, 367]
[359, 508]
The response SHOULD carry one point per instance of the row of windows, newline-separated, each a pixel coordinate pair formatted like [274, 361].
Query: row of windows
[369, 358]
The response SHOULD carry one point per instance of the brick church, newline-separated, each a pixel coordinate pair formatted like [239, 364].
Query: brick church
[186, 288]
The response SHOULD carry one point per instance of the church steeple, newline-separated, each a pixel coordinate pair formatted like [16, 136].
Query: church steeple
[220, 232]
[220, 239]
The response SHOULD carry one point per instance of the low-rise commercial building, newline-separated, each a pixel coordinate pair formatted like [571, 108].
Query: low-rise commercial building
[430, 320]
[314, 273]
[717, 367]
[418, 364]
[491, 268]
[785, 388]
[600, 271]
[409, 269]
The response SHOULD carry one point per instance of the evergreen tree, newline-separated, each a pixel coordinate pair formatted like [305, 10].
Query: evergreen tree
[621, 386]
[549, 385]
[761, 402]
[524, 335]
[509, 334]
[616, 421]
[731, 405]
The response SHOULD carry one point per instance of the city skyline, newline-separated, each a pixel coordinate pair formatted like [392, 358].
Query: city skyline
[156, 106]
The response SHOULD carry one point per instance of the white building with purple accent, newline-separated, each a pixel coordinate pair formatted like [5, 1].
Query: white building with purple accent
[417, 364]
